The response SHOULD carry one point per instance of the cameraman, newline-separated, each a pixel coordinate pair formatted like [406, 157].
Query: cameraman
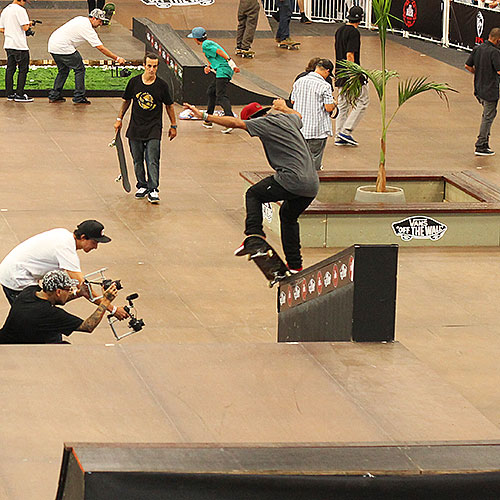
[34, 318]
[14, 23]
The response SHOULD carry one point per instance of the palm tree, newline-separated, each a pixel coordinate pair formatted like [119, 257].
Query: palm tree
[356, 75]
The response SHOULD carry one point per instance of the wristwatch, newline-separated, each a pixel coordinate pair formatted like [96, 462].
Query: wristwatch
[173, 126]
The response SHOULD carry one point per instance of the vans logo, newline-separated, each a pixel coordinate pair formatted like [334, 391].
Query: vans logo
[419, 227]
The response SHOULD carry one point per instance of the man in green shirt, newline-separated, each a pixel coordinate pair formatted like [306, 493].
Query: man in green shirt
[223, 66]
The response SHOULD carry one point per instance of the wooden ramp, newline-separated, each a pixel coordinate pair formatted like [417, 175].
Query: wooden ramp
[239, 393]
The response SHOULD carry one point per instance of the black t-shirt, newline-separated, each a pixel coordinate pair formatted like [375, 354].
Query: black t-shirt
[32, 320]
[347, 39]
[147, 109]
[485, 59]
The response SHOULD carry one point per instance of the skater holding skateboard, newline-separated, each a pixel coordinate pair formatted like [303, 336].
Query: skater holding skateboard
[224, 68]
[295, 182]
[147, 93]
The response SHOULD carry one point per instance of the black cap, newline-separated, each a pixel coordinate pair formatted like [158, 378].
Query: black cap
[326, 63]
[355, 14]
[93, 230]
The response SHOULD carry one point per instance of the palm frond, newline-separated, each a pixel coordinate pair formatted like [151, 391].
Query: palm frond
[355, 76]
[414, 86]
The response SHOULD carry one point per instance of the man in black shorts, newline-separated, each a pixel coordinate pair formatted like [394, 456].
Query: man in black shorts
[147, 93]
[295, 181]
[34, 317]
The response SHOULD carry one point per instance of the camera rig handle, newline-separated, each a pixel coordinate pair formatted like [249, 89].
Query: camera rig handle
[135, 324]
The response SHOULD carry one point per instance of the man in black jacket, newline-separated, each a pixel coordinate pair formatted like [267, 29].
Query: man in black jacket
[484, 63]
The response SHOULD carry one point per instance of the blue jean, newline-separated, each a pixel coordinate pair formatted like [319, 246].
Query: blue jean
[149, 152]
[285, 13]
[66, 63]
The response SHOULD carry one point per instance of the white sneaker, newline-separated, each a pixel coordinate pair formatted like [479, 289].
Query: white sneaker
[207, 124]
[153, 196]
[226, 130]
[141, 193]
[23, 98]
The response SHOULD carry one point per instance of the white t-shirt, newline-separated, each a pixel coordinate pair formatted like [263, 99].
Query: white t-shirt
[66, 39]
[31, 259]
[12, 19]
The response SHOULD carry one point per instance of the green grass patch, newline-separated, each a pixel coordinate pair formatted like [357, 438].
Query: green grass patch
[96, 78]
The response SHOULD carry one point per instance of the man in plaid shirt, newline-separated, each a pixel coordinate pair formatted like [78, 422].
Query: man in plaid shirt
[312, 98]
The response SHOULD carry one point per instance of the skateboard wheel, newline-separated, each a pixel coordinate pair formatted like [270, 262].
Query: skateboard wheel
[249, 257]
[270, 253]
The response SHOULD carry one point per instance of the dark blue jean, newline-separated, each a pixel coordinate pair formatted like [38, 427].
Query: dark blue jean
[66, 63]
[146, 152]
[16, 59]
[285, 13]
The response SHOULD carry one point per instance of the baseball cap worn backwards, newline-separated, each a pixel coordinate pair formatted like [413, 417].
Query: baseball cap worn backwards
[355, 14]
[198, 32]
[93, 230]
[98, 14]
[253, 110]
[57, 279]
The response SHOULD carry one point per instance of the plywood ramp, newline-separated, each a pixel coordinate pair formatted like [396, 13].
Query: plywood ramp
[252, 393]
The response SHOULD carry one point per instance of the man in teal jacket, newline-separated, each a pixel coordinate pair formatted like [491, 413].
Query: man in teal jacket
[223, 66]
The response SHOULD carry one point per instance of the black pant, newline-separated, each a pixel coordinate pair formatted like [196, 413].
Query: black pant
[15, 59]
[10, 294]
[99, 4]
[216, 93]
[293, 205]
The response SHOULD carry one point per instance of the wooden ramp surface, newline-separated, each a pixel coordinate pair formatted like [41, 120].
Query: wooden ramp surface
[251, 393]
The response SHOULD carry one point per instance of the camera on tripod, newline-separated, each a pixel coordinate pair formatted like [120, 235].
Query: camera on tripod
[29, 31]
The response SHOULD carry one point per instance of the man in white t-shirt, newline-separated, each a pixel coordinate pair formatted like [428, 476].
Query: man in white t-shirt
[14, 22]
[62, 46]
[28, 262]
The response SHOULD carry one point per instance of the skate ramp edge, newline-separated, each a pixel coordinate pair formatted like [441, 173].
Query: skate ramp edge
[95, 471]
[181, 67]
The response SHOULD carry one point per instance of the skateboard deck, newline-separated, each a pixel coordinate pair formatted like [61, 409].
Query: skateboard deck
[269, 262]
[109, 9]
[246, 54]
[123, 176]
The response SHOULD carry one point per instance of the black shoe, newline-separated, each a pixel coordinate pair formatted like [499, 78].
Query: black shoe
[11, 97]
[82, 101]
[304, 19]
[23, 98]
[484, 152]
[253, 245]
[276, 16]
[57, 99]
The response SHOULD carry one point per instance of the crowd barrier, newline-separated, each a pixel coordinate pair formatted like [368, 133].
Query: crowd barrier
[449, 23]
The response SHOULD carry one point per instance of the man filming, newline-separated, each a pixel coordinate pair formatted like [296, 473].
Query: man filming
[34, 318]
[14, 23]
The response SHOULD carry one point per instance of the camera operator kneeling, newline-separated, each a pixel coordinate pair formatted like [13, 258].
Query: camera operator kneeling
[34, 317]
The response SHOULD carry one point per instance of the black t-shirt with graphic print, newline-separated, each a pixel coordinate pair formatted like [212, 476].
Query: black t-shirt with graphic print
[147, 107]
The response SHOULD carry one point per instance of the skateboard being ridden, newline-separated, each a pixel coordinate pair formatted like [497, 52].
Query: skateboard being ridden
[250, 54]
[265, 257]
[289, 44]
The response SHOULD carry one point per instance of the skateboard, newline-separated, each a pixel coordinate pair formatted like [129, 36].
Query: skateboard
[123, 176]
[250, 54]
[109, 9]
[268, 261]
[289, 45]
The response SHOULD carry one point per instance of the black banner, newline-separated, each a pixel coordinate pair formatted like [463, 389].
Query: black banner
[418, 17]
[470, 25]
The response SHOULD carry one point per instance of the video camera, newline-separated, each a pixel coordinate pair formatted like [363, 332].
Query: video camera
[29, 31]
[135, 324]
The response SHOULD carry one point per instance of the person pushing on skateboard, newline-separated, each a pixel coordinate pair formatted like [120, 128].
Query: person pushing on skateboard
[295, 181]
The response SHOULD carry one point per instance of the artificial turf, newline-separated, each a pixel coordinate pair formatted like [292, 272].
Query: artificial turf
[96, 78]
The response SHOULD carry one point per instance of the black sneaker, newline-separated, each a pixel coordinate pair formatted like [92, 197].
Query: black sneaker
[141, 193]
[23, 98]
[57, 99]
[82, 101]
[253, 245]
[304, 19]
[11, 97]
[484, 152]
[276, 16]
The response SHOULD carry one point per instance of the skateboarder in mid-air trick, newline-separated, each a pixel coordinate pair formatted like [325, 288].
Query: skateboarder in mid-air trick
[295, 182]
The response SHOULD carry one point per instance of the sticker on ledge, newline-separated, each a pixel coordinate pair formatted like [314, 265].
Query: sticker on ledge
[419, 227]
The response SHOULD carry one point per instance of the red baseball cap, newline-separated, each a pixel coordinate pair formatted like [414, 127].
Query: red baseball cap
[253, 110]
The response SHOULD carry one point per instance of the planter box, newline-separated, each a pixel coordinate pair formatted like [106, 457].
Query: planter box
[450, 209]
